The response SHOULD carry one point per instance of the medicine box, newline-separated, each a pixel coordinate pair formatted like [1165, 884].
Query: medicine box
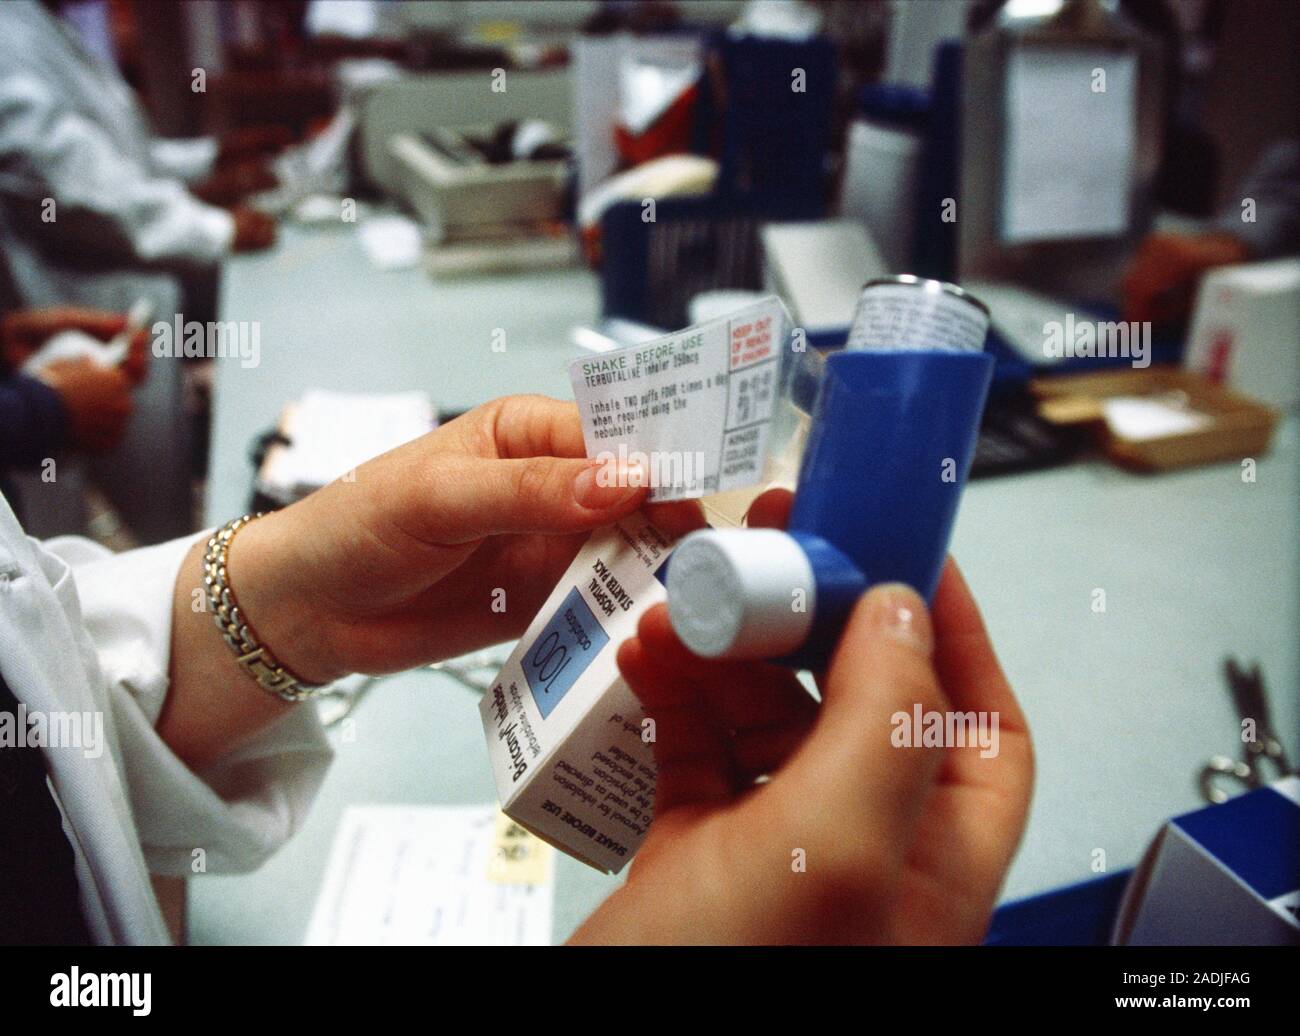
[570, 746]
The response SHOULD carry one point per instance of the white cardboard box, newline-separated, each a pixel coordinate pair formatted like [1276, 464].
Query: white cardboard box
[1246, 330]
[571, 749]
[819, 269]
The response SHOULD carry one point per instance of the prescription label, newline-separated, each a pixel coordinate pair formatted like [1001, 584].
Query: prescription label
[692, 409]
[561, 652]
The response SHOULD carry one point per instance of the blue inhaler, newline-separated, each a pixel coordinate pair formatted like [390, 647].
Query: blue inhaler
[893, 433]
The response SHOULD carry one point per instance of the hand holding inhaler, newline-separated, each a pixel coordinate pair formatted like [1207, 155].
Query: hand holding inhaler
[890, 426]
[851, 839]
[913, 846]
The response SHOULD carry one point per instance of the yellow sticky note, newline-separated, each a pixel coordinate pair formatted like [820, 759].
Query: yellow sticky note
[518, 857]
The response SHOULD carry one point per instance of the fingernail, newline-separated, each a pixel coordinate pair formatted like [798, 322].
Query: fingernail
[601, 486]
[898, 611]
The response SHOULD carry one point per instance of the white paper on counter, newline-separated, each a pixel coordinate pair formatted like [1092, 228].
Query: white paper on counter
[331, 433]
[1151, 417]
[422, 876]
[391, 242]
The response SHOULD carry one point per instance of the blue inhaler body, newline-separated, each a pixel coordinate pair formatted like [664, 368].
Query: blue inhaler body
[893, 434]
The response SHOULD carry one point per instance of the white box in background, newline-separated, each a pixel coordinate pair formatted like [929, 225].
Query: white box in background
[819, 269]
[459, 200]
[572, 760]
[1246, 330]
[880, 176]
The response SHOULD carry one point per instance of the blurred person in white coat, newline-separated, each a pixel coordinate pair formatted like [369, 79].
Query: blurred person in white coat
[96, 211]
[88, 194]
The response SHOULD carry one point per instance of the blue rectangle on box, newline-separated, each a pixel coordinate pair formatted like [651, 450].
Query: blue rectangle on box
[562, 652]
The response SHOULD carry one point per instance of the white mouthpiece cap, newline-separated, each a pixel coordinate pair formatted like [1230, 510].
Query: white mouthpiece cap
[740, 593]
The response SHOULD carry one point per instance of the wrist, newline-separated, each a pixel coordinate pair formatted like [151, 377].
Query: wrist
[266, 576]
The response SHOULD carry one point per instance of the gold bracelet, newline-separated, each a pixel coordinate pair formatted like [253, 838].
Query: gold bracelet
[257, 661]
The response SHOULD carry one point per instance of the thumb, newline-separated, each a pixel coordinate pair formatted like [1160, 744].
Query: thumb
[882, 667]
[478, 497]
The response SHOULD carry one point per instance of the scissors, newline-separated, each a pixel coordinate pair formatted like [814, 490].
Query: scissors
[1264, 752]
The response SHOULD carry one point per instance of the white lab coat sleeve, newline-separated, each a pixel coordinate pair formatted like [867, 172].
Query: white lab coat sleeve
[187, 159]
[106, 204]
[236, 812]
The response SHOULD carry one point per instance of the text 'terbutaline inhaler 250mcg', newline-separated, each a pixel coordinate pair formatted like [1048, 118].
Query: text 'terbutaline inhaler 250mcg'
[892, 438]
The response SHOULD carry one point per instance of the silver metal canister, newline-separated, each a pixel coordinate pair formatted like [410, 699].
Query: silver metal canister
[908, 313]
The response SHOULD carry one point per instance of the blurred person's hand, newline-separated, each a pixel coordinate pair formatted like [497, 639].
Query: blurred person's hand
[1161, 281]
[97, 400]
[442, 546]
[254, 230]
[245, 142]
[24, 331]
[233, 183]
[893, 844]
